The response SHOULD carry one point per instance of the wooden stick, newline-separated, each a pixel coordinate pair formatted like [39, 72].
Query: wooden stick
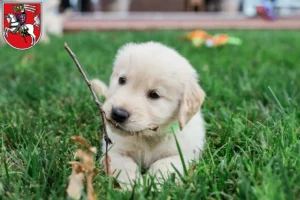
[102, 113]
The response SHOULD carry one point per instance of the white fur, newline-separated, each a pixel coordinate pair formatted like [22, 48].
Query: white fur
[153, 66]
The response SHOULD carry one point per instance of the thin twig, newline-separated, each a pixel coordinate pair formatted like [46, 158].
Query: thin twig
[102, 113]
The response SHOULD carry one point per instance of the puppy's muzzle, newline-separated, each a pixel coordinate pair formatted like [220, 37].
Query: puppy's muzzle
[119, 115]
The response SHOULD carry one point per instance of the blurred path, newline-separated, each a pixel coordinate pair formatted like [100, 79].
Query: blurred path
[150, 21]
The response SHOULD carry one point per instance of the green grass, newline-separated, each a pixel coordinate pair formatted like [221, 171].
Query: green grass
[251, 110]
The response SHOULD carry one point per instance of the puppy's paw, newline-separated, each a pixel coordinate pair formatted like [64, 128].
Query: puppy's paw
[125, 170]
[99, 87]
[126, 181]
[162, 169]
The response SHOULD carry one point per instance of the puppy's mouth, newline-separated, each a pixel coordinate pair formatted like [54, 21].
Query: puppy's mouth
[151, 127]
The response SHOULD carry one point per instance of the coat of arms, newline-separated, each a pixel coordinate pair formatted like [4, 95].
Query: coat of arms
[22, 24]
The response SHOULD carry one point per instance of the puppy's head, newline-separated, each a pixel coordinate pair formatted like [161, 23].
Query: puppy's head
[151, 85]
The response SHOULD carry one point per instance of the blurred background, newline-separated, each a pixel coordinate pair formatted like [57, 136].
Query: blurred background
[181, 14]
[284, 7]
[80, 15]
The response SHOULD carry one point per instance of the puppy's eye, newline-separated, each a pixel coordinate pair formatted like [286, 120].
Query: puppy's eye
[153, 95]
[122, 80]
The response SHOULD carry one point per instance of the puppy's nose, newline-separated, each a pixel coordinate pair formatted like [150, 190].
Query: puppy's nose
[119, 115]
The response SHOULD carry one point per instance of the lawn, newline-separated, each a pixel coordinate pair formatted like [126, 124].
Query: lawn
[252, 114]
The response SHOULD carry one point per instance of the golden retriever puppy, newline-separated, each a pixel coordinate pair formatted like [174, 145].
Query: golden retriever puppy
[153, 93]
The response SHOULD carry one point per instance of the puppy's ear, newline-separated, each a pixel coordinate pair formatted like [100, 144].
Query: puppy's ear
[191, 102]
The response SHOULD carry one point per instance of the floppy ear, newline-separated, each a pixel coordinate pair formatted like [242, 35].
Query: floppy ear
[190, 103]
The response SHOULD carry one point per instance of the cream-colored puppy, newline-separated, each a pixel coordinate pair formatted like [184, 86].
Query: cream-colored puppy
[152, 86]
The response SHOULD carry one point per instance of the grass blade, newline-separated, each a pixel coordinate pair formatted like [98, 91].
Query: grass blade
[181, 156]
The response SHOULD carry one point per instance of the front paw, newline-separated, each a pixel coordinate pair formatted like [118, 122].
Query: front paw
[124, 168]
[125, 179]
[160, 170]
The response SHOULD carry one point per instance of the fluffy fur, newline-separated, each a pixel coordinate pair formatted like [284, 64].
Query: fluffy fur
[149, 67]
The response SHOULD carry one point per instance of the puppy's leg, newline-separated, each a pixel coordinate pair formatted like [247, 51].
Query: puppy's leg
[126, 170]
[99, 87]
[162, 168]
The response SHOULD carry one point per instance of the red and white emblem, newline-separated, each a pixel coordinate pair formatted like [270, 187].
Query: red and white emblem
[22, 24]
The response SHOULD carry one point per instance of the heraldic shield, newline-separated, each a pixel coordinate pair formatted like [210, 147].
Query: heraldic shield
[22, 24]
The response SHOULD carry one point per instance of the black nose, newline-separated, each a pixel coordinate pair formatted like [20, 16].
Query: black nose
[119, 115]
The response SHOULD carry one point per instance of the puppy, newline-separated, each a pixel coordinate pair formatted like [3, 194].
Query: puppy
[153, 93]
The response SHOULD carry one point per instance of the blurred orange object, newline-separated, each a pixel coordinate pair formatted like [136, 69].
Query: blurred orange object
[199, 38]
[199, 35]
[217, 40]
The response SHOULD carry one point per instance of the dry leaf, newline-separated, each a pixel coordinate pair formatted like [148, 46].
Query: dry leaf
[26, 59]
[83, 171]
[76, 181]
[80, 140]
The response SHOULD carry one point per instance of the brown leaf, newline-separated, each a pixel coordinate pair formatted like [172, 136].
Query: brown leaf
[26, 59]
[80, 140]
[90, 188]
[82, 171]
[76, 181]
